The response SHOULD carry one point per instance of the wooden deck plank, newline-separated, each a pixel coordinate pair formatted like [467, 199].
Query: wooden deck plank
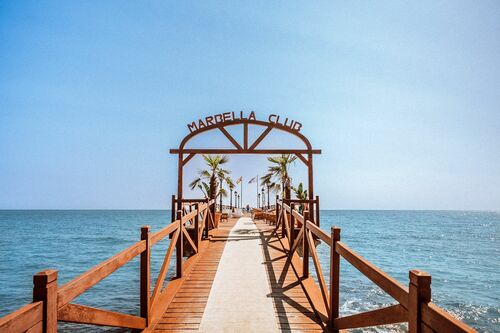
[186, 310]
[293, 311]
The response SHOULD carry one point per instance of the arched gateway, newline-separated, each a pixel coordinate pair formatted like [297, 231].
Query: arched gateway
[262, 282]
[221, 121]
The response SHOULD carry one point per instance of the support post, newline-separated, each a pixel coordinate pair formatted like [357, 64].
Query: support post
[205, 230]
[277, 210]
[45, 290]
[292, 225]
[180, 245]
[305, 248]
[173, 208]
[213, 214]
[145, 277]
[180, 166]
[334, 278]
[419, 293]
[317, 211]
[197, 226]
[310, 178]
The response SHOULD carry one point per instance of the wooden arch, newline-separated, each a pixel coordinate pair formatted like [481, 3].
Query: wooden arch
[305, 155]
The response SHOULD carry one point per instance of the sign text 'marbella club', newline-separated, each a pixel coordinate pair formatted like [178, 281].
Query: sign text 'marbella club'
[231, 116]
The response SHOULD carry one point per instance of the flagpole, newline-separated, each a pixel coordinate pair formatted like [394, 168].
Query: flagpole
[257, 197]
[241, 195]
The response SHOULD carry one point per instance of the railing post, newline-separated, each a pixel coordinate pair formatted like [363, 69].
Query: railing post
[197, 227]
[334, 278]
[317, 211]
[419, 293]
[292, 225]
[305, 248]
[174, 209]
[277, 211]
[205, 230]
[145, 279]
[45, 290]
[213, 210]
[283, 219]
[180, 245]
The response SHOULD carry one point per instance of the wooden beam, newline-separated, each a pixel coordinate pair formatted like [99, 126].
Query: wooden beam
[319, 271]
[261, 137]
[230, 138]
[90, 278]
[22, 319]
[245, 135]
[375, 274]
[245, 151]
[164, 268]
[389, 315]
[190, 241]
[190, 156]
[75, 313]
[302, 158]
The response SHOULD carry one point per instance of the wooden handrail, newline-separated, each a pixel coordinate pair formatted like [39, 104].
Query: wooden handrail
[441, 321]
[390, 285]
[27, 317]
[87, 280]
[414, 303]
[318, 232]
[53, 303]
[159, 235]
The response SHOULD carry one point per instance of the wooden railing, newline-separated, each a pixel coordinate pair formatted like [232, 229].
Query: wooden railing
[52, 303]
[414, 302]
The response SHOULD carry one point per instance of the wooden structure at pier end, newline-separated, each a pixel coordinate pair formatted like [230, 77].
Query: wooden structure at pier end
[179, 298]
[219, 122]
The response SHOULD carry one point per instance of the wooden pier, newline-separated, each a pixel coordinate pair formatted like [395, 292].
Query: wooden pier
[210, 293]
[299, 303]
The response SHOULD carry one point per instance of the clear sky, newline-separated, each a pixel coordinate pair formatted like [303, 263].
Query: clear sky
[403, 98]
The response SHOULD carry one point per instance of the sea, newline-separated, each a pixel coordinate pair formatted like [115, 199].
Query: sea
[460, 249]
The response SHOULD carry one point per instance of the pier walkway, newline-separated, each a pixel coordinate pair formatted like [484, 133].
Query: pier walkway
[242, 282]
[236, 275]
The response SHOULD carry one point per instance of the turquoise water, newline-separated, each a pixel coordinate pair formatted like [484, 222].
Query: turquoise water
[459, 249]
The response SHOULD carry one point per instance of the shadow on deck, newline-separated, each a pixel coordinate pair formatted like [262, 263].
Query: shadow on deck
[293, 311]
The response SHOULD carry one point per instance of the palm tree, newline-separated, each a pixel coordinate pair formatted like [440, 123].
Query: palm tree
[231, 186]
[207, 179]
[270, 185]
[278, 171]
[301, 194]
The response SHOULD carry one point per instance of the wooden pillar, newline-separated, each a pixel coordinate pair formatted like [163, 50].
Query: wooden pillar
[277, 210]
[145, 276]
[180, 166]
[283, 220]
[419, 293]
[45, 290]
[305, 248]
[197, 226]
[173, 208]
[180, 245]
[334, 278]
[213, 210]
[205, 230]
[292, 225]
[317, 211]
[310, 178]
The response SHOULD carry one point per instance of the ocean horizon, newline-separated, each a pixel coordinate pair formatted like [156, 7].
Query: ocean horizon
[73, 241]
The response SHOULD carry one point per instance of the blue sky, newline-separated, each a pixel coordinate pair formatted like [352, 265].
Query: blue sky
[403, 98]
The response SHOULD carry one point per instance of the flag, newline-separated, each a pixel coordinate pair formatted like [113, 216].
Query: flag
[239, 180]
[253, 180]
